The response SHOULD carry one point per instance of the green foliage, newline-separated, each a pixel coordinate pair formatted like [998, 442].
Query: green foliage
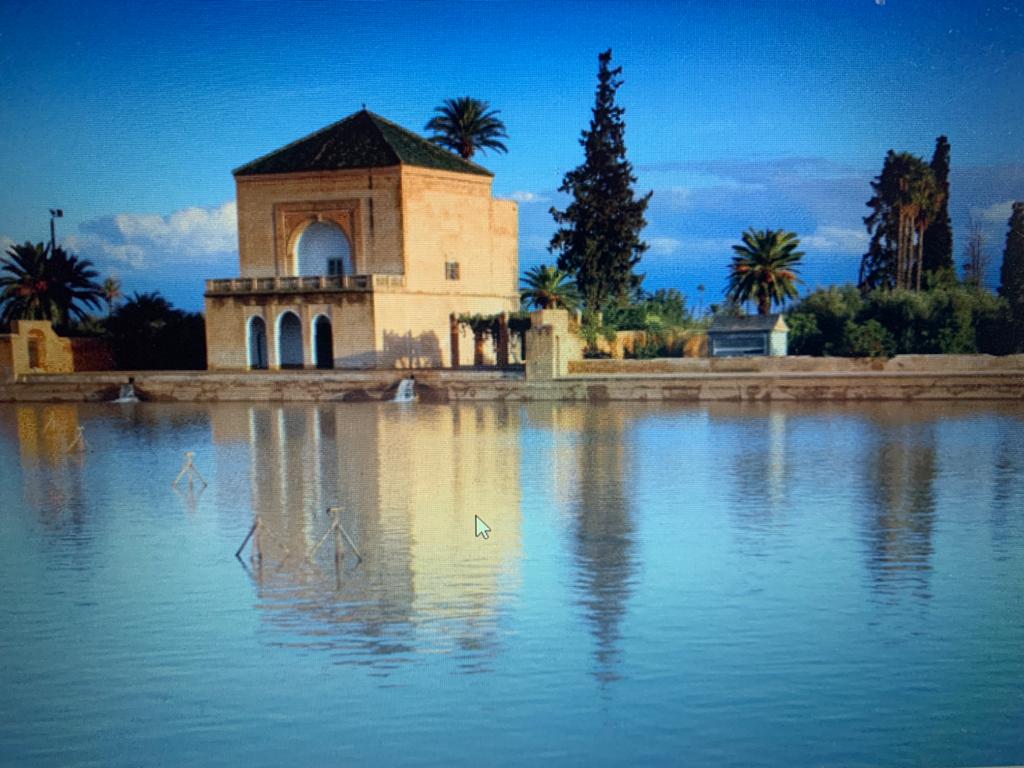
[547, 287]
[869, 339]
[805, 337]
[817, 324]
[840, 321]
[764, 269]
[665, 308]
[111, 293]
[519, 322]
[148, 333]
[906, 200]
[481, 325]
[1011, 276]
[466, 125]
[654, 345]
[938, 238]
[593, 328]
[37, 284]
[598, 237]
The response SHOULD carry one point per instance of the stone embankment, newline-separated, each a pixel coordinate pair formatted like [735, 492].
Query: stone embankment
[909, 377]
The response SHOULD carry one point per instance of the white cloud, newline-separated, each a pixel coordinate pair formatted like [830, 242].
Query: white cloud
[663, 246]
[5, 243]
[678, 198]
[529, 197]
[138, 240]
[201, 231]
[836, 239]
[997, 213]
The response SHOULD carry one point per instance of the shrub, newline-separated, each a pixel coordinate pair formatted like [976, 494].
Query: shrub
[820, 320]
[868, 340]
[944, 320]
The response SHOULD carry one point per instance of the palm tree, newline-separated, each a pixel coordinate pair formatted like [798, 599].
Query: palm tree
[74, 287]
[547, 287]
[24, 289]
[764, 268]
[111, 292]
[37, 284]
[465, 125]
[928, 203]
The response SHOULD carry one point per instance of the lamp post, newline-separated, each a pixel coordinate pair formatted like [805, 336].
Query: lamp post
[55, 213]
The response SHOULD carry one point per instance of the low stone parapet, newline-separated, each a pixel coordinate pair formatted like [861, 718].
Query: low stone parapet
[999, 381]
[798, 364]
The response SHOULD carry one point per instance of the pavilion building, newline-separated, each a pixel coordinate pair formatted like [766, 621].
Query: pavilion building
[358, 245]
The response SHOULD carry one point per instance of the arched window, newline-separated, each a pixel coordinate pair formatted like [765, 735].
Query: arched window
[323, 249]
[289, 340]
[257, 343]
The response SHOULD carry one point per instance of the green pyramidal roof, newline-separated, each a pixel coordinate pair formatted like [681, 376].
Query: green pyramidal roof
[361, 140]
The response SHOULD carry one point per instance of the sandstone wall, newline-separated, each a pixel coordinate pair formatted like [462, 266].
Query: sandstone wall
[443, 385]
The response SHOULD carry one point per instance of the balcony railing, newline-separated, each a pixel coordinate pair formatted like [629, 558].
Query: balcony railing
[304, 284]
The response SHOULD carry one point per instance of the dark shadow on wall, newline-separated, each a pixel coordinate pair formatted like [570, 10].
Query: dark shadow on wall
[404, 350]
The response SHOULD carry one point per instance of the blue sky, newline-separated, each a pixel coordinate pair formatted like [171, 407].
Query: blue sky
[771, 114]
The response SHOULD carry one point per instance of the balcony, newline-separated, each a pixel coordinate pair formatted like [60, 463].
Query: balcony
[304, 284]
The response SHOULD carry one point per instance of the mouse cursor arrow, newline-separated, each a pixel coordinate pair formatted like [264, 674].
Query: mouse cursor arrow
[482, 528]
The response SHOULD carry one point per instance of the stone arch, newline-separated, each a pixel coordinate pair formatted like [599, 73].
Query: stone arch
[323, 342]
[322, 248]
[256, 341]
[289, 340]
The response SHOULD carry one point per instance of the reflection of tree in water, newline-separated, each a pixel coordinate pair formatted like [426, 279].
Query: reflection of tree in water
[1006, 495]
[900, 518]
[604, 532]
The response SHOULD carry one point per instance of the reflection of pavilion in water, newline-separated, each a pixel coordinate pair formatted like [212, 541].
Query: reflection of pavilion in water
[52, 474]
[410, 481]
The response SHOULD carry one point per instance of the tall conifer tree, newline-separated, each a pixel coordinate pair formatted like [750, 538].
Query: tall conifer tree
[938, 238]
[598, 240]
[878, 266]
[1011, 275]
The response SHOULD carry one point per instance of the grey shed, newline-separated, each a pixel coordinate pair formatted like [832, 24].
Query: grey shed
[749, 335]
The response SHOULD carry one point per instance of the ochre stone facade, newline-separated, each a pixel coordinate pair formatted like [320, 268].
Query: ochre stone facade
[423, 243]
[34, 347]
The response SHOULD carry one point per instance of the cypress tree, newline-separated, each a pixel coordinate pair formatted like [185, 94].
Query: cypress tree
[938, 239]
[598, 240]
[878, 265]
[1011, 274]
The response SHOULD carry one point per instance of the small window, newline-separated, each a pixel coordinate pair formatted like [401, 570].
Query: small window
[451, 270]
[335, 266]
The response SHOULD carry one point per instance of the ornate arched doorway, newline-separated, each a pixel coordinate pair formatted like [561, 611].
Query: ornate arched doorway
[323, 343]
[258, 343]
[323, 249]
[289, 340]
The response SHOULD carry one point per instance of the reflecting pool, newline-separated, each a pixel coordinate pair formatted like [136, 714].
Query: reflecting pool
[719, 585]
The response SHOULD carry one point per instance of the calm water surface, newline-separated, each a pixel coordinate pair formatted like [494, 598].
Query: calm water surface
[712, 585]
